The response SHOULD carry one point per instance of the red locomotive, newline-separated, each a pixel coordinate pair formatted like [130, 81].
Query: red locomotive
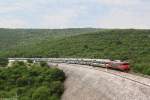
[106, 63]
[123, 66]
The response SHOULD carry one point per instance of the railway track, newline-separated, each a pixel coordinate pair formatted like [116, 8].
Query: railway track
[88, 83]
[142, 80]
[117, 73]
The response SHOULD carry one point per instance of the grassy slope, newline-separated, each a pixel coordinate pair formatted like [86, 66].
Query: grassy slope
[133, 45]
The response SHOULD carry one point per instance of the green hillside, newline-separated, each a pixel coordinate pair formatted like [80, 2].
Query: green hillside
[132, 45]
[20, 38]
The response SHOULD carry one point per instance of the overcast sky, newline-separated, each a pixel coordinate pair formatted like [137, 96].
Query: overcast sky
[74, 13]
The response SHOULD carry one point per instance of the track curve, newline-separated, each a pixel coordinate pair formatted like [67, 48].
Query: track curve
[121, 74]
[88, 83]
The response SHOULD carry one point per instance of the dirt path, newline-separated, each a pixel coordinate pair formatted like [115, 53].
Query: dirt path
[84, 83]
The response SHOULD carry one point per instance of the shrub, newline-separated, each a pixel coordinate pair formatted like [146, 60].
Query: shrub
[31, 83]
[3, 62]
[43, 64]
[57, 75]
[29, 61]
[56, 88]
[18, 63]
[54, 97]
[41, 93]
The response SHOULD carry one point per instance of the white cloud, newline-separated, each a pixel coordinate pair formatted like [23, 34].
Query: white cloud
[20, 5]
[120, 2]
[125, 14]
[64, 13]
[12, 23]
[61, 19]
[7, 9]
[118, 18]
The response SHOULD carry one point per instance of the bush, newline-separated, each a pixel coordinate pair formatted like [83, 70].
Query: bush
[29, 61]
[3, 62]
[18, 63]
[41, 93]
[56, 88]
[57, 75]
[43, 64]
[31, 83]
[54, 97]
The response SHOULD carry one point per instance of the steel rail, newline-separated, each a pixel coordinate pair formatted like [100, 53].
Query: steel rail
[148, 85]
[59, 59]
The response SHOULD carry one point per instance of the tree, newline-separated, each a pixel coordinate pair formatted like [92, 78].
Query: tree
[57, 75]
[43, 64]
[18, 63]
[56, 88]
[41, 93]
[3, 62]
[86, 46]
[31, 83]
[29, 61]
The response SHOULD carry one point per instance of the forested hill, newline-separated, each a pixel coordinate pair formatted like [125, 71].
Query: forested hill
[132, 45]
[14, 38]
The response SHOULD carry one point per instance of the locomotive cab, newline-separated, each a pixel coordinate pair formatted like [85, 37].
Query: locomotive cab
[119, 65]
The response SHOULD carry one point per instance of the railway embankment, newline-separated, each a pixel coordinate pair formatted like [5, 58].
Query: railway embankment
[86, 83]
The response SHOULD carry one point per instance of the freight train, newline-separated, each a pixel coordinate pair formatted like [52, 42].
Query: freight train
[105, 63]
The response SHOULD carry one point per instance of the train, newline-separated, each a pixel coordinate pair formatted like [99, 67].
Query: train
[104, 63]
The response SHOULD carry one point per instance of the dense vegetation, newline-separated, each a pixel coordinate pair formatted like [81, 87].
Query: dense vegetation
[31, 82]
[132, 45]
[3, 62]
[18, 38]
